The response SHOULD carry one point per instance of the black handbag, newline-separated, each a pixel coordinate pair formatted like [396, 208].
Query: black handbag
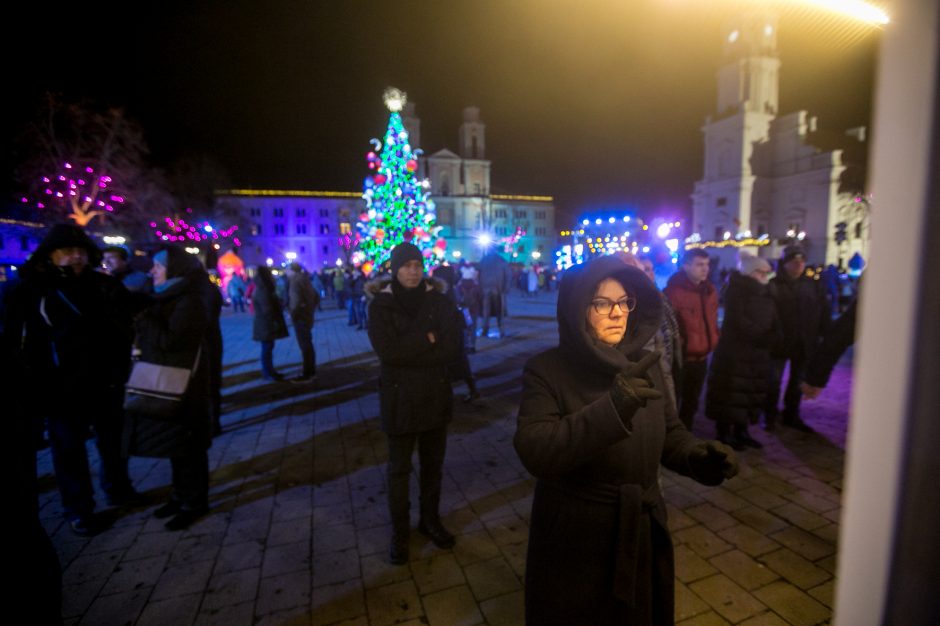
[157, 391]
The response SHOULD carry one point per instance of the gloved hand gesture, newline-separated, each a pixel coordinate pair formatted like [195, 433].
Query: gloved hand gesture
[712, 462]
[633, 387]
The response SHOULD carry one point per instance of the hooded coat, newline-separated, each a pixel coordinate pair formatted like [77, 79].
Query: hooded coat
[599, 547]
[77, 328]
[173, 331]
[740, 367]
[415, 393]
[268, 324]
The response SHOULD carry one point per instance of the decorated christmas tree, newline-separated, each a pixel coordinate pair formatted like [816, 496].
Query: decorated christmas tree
[397, 204]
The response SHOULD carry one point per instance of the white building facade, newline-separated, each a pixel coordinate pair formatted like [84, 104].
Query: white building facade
[306, 226]
[763, 182]
[468, 209]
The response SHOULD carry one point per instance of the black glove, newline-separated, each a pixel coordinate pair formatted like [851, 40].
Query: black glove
[712, 462]
[633, 387]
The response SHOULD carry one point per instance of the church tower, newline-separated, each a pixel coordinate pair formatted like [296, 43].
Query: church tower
[475, 172]
[747, 103]
[472, 142]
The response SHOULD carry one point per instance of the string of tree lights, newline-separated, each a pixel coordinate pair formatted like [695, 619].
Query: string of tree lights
[178, 230]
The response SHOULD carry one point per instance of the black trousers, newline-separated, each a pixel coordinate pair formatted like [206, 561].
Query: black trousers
[432, 444]
[70, 417]
[304, 335]
[492, 307]
[191, 480]
[693, 379]
[792, 395]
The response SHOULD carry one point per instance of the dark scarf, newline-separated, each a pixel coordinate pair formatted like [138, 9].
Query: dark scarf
[409, 299]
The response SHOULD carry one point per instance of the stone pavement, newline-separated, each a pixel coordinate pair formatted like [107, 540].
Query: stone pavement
[298, 530]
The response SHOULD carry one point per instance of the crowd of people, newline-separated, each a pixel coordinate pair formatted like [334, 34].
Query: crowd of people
[600, 413]
[774, 322]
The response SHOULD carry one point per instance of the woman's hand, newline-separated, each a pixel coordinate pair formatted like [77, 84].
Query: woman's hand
[633, 388]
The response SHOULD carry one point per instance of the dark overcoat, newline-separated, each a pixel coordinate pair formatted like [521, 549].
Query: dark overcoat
[740, 367]
[173, 331]
[415, 392]
[599, 547]
[269, 323]
[838, 338]
[804, 314]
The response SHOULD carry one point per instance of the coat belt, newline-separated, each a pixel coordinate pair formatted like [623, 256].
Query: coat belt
[632, 500]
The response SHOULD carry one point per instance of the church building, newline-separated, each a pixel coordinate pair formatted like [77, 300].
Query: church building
[765, 185]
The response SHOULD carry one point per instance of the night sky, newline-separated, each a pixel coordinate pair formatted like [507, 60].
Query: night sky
[598, 103]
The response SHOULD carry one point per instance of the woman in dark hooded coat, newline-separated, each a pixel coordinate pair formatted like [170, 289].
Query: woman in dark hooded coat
[741, 364]
[268, 325]
[173, 331]
[594, 428]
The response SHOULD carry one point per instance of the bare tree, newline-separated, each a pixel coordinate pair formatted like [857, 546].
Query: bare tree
[98, 159]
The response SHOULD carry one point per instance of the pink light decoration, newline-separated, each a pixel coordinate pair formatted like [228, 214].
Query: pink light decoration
[193, 232]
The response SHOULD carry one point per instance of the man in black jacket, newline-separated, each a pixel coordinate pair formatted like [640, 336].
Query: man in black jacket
[413, 329]
[840, 337]
[804, 317]
[76, 349]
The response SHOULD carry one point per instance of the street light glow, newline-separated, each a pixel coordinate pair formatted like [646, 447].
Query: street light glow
[855, 9]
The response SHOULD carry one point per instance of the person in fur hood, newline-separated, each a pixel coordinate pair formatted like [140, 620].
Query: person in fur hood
[413, 330]
[594, 429]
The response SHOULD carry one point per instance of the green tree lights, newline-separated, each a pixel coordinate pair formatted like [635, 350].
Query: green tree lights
[397, 204]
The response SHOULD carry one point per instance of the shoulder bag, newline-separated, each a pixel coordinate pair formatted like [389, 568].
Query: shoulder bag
[157, 391]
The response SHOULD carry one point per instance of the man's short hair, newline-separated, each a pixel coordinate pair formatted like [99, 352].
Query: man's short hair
[695, 253]
[295, 267]
[118, 250]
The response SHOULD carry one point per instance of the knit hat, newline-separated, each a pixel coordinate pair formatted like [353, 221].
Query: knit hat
[402, 253]
[68, 236]
[791, 252]
[176, 261]
[749, 263]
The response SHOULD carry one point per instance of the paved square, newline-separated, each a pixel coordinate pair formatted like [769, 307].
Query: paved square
[298, 529]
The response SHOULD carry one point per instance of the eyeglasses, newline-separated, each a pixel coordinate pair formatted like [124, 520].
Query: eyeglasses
[603, 306]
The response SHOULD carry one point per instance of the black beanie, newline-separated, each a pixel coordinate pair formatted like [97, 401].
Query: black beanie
[402, 253]
[791, 252]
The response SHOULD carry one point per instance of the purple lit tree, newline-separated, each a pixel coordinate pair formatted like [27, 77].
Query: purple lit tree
[88, 164]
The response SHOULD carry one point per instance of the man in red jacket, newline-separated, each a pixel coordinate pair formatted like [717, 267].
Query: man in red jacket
[695, 301]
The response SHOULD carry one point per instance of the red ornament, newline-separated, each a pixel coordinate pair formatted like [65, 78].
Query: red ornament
[380, 179]
[411, 165]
